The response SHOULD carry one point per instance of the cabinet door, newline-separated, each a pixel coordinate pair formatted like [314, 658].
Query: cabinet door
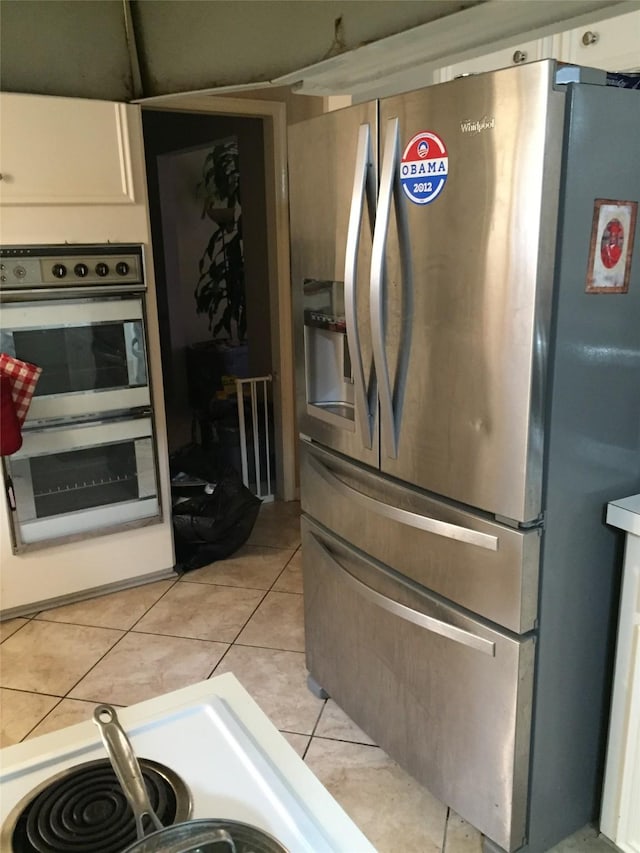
[64, 151]
[628, 837]
[613, 44]
[515, 54]
[620, 816]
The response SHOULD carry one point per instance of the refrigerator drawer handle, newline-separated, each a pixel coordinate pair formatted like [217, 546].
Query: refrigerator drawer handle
[404, 516]
[362, 185]
[429, 623]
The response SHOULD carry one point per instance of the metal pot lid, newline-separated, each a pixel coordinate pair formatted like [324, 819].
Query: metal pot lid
[208, 836]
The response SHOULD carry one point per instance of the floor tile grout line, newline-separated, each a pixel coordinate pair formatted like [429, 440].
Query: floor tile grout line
[316, 736]
[60, 699]
[246, 645]
[118, 641]
[18, 629]
[185, 576]
[446, 827]
[94, 665]
[252, 614]
[140, 633]
[271, 547]
[103, 627]
[227, 585]
[131, 630]
[154, 604]
[133, 627]
[88, 600]
[313, 731]
[224, 654]
[32, 692]
[75, 684]
[267, 648]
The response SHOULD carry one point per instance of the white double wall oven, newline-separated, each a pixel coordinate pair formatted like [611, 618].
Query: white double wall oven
[88, 462]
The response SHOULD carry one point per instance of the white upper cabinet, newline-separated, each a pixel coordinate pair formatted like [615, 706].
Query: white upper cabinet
[613, 44]
[64, 151]
[515, 54]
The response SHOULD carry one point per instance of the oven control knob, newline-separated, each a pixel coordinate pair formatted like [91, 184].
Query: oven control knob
[122, 268]
[81, 270]
[59, 270]
[102, 269]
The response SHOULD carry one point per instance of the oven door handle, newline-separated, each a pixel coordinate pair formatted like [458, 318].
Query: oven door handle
[43, 440]
[11, 495]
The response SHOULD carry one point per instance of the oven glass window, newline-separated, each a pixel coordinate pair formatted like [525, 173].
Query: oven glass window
[57, 484]
[82, 479]
[79, 479]
[97, 356]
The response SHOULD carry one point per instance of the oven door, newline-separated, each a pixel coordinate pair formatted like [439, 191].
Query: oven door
[92, 353]
[73, 481]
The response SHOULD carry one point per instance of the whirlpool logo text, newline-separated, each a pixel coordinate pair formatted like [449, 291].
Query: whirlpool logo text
[478, 125]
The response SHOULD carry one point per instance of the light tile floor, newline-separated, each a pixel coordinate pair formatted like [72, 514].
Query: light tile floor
[242, 615]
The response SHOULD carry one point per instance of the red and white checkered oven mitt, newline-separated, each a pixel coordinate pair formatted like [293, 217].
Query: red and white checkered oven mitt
[23, 378]
[10, 433]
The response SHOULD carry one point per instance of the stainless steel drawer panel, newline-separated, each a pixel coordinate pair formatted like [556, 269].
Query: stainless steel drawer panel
[486, 567]
[444, 695]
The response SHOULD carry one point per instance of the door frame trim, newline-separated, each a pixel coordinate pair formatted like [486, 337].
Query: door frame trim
[274, 116]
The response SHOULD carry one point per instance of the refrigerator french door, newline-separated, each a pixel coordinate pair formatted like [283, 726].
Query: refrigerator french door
[496, 416]
[470, 312]
[453, 303]
[332, 221]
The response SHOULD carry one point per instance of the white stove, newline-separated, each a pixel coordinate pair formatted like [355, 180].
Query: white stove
[231, 758]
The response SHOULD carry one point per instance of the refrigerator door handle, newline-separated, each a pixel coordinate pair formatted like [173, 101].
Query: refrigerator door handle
[362, 184]
[390, 400]
[403, 516]
[429, 623]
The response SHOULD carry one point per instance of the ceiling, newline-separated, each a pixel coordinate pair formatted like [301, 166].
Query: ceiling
[131, 49]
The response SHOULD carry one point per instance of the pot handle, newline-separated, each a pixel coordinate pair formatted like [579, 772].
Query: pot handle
[125, 765]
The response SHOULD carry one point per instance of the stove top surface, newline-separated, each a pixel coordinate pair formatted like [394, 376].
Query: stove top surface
[234, 762]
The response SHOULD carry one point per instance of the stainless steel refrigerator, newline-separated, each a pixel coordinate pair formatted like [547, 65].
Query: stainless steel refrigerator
[468, 384]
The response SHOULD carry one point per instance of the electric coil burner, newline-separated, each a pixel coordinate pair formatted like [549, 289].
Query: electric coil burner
[84, 809]
[209, 752]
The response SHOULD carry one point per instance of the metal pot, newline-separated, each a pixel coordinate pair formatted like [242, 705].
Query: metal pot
[191, 836]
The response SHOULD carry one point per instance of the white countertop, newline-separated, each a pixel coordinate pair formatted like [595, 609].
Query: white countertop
[235, 762]
[625, 514]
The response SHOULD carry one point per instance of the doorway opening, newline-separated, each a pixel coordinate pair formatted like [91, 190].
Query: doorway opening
[179, 141]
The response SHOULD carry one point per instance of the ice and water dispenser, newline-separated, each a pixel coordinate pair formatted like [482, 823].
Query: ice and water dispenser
[327, 362]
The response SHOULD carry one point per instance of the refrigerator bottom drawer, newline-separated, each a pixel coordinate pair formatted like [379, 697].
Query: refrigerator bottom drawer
[479, 564]
[446, 696]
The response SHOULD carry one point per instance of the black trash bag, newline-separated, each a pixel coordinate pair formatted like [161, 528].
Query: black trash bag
[197, 461]
[212, 524]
